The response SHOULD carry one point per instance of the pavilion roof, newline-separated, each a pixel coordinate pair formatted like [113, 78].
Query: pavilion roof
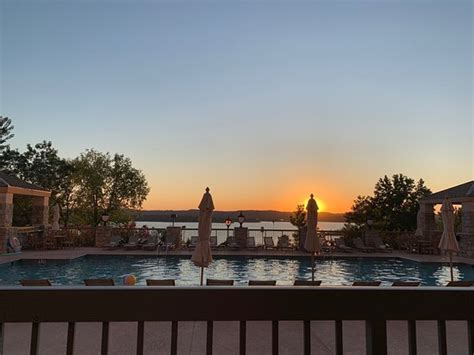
[7, 180]
[457, 194]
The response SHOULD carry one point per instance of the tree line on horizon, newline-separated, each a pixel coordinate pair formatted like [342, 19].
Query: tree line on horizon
[85, 187]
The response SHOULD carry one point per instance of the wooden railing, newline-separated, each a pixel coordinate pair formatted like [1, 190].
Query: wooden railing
[374, 305]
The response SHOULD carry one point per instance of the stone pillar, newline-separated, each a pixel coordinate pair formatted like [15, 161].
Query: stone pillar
[468, 218]
[6, 219]
[40, 211]
[240, 236]
[302, 237]
[427, 218]
[102, 236]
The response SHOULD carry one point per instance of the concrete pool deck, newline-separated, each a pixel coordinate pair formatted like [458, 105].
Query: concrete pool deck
[69, 254]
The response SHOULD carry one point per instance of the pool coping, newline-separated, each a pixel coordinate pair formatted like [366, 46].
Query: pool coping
[71, 254]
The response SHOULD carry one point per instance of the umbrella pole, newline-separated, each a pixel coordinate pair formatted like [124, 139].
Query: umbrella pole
[451, 265]
[312, 266]
[202, 275]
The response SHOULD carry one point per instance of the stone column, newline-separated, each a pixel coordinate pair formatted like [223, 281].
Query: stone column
[427, 218]
[174, 236]
[468, 218]
[240, 236]
[6, 219]
[302, 237]
[102, 236]
[40, 211]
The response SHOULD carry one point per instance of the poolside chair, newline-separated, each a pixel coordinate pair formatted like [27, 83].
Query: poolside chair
[406, 283]
[464, 283]
[39, 282]
[341, 246]
[283, 242]
[262, 282]
[132, 243]
[99, 282]
[307, 283]
[213, 242]
[114, 242]
[230, 243]
[359, 245]
[379, 245]
[151, 243]
[164, 282]
[366, 283]
[193, 241]
[251, 243]
[214, 282]
[268, 243]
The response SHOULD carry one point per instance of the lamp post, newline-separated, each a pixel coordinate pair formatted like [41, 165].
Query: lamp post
[173, 218]
[105, 217]
[241, 219]
[228, 222]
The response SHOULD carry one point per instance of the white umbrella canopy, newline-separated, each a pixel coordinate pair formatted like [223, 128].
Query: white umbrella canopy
[56, 212]
[311, 242]
[448, 242]
[202, 253]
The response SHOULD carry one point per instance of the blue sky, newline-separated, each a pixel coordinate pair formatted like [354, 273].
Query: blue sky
[264, 101]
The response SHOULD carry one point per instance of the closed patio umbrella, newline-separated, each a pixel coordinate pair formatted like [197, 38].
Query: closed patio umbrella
[311, 243]
[55, 225]
[448, 242]
[419, 221]
[202, 253]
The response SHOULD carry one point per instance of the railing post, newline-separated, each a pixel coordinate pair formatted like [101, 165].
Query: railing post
[338, 336]
[442, 345]
[470, 336]
[376, 337]
[412, 350]
[243, 337]
[2, 334]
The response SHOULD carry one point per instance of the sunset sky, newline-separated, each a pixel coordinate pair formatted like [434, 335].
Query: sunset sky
[264, 102]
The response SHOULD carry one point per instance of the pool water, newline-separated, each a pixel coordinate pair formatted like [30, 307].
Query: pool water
[332, 271]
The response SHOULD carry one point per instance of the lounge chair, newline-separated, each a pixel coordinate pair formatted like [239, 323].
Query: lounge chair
[379, 245]
[262, 282]
[114, 242]
[465, 283]
[165, 282]
[99, 282]
[406, 283]
[214, 282]
[307, 283]
[366, 283]
[39, 282]
[132, 243]
[230, 243]
[193, 241]
[283, 242]
[359, 245]
[268, 243]
[341, 246]
[151, 243]
[251, 243]
[213, 242]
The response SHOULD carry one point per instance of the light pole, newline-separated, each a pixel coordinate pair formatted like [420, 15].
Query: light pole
[228, 222]
[241, 219]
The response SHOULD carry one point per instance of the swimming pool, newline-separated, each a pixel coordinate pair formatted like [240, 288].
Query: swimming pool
[332, 271]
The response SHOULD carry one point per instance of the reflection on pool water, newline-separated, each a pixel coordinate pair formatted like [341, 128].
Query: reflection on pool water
[332, 271]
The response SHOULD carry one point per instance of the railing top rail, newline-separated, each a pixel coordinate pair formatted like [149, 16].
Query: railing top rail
[95, 304]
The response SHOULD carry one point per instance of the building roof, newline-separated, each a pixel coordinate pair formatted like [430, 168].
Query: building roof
[7, 180]
[457, 194]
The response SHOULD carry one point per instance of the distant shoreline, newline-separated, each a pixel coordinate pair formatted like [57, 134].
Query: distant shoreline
[220, 216]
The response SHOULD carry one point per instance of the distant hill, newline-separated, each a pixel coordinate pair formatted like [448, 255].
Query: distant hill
[220, 216]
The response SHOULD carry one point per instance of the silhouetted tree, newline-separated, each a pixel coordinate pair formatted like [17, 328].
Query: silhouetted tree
[298, 218]
[393, 206]
[6, 129]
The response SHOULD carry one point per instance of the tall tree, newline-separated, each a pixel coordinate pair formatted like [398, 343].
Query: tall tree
[393, 206]
[108, 184]
[298, 218]
[6, 129]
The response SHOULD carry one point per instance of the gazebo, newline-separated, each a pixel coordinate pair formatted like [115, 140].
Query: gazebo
[10, 186]
[458, 195]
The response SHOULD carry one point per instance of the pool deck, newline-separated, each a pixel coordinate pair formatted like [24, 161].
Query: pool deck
[69, 254]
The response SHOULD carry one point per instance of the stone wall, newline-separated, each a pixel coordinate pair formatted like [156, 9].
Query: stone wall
[240, 235]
